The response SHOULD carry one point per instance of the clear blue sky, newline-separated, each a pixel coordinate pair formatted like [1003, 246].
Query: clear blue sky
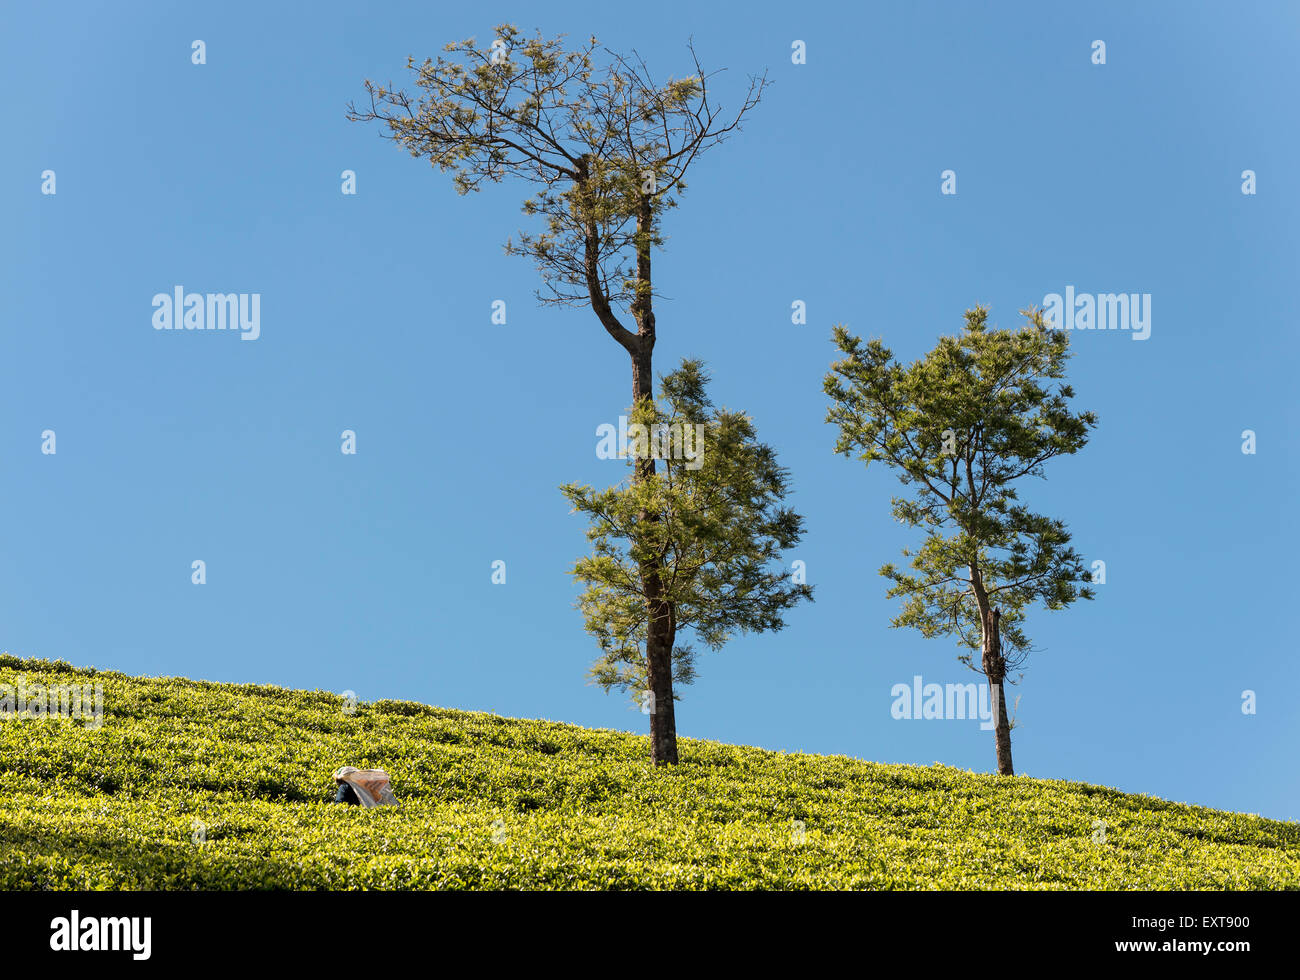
[372, 572]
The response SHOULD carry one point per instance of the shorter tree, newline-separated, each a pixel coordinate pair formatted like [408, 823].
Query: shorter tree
[711, 517]
[961, 426]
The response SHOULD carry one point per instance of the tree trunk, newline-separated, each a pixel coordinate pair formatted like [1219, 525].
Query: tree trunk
[660, 637]
[994, 666]
[1002, 733]
[660, 629]
[995, 670]
[659, 662]
[660, 622]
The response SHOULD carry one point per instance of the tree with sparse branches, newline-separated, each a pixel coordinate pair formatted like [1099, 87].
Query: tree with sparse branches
[606, 149]
[961, 427]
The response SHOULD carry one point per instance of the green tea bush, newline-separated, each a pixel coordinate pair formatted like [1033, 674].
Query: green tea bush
[194, 785]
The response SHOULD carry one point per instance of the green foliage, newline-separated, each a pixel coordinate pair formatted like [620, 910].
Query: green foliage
[961, 426]
[710, 519]
[115, 807]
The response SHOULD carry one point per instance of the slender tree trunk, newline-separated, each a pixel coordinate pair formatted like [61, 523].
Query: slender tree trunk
[660, 631]
[995, 669]
[660, 622]
[1002, 733]
[663, 719]
[660, 637]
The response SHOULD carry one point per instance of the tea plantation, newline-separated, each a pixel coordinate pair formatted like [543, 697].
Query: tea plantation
[189, 784]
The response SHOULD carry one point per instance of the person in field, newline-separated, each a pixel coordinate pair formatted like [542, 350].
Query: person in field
[363, 787]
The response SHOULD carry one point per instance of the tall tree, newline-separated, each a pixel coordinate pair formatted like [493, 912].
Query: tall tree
[962, 427]
[711, 518]
[606, 150]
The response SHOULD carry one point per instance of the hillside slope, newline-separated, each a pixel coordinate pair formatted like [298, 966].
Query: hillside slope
[189, 784]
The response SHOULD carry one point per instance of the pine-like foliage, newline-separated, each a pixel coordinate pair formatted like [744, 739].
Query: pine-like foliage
[963, 427]
[713, 521]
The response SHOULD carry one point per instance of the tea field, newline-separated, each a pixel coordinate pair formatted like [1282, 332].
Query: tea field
[195, 785]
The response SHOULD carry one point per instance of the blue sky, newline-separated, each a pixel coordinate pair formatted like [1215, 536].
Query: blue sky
[373, 572]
